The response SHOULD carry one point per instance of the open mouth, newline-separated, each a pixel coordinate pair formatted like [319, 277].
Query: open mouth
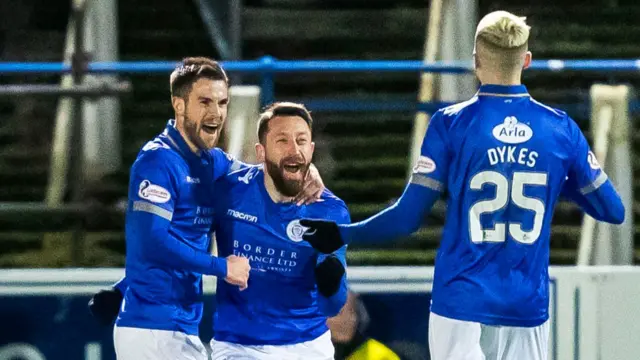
[293, 168]
[210, 128]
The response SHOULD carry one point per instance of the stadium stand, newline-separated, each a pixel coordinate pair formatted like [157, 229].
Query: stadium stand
[364, 153]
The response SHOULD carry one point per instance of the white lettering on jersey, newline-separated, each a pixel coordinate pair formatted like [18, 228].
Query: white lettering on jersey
[593, 161]
[242, 216]
[512, 132]
[153, 193]
[424, 166]
[295, 231]
[507, 154]
[265, 259]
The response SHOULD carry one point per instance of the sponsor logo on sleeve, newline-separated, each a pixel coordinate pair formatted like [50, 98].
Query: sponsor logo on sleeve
[295, 231]
[424, 166]
[593, 162]
[512, 132]
[153, 193]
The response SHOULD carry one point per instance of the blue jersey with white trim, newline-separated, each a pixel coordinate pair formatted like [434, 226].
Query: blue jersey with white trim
[282, 305]
[502, 159]
[168, 223]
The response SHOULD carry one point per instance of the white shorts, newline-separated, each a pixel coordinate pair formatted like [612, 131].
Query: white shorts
[147, 344]
[319, 348]
[463, 340]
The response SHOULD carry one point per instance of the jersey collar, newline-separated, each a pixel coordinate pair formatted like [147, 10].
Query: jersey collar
[503, 90]
[177, 142]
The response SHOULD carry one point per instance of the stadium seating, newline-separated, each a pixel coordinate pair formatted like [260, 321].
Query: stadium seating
[361, 154]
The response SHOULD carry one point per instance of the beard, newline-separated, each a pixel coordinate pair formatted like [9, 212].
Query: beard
[277, 171]
[198, 136]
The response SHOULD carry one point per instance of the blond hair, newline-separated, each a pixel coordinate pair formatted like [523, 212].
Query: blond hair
[502, 38]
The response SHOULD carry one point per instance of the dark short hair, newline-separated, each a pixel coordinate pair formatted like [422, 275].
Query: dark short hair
[281, 109]
[192, 69]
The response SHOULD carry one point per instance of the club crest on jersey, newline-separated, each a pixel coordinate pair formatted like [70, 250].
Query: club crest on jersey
[295, 231]
[512, 131]
[424, 166]
[153, 193]
[593, 161]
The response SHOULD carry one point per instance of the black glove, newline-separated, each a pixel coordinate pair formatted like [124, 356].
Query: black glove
[329, 275]
[323, 235]
[105, 305]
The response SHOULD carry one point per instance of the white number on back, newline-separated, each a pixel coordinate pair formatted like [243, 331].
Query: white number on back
[501, 183]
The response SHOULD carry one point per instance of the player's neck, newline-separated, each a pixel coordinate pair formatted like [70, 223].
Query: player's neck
[185, 138]
[273, 192]
[499, 79]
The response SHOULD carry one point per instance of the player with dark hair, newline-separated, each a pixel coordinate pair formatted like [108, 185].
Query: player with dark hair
[168, 223]
[503, 159]
[293, 289]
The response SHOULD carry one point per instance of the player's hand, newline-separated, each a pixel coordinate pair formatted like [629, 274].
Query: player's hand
[323, 235]
[105, 305]
[238, 271]
[329, 275]
[312, 188]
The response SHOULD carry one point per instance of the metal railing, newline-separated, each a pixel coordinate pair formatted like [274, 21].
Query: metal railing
[267, 68]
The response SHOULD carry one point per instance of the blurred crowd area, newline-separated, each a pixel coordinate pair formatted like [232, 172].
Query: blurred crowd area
[362, 155]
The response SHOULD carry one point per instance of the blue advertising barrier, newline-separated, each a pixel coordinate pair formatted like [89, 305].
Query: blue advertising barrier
[59, 327]
[45, 317]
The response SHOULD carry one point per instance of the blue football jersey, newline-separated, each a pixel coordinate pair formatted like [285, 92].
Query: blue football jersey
[168, 223]
[281, 305]
[502, 159]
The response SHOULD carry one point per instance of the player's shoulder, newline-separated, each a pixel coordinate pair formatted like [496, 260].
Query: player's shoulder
[458, 109]
[243, 177]
[158, 154]
[329, 197]
[548, 110]
[220, 155]
[449, 113]
[331, 204]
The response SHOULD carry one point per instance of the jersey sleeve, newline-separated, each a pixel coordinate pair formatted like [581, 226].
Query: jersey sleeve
[588, 185]
[584, 170]
[431, 170]
[152, 187]
[340, 215]
[225, 163]
[331, 306]
[153, 193]
[122, 285]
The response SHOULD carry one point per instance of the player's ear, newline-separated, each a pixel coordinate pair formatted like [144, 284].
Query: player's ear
[260, 153]
[178, 105]
[527, 60]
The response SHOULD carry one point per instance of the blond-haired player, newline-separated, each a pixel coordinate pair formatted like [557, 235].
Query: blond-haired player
[503, 160]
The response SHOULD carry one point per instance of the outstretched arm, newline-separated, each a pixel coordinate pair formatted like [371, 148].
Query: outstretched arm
[405, 216]
[399, 220]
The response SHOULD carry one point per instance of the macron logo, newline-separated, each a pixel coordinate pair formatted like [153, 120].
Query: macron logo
[193, 180]
[242, 216]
